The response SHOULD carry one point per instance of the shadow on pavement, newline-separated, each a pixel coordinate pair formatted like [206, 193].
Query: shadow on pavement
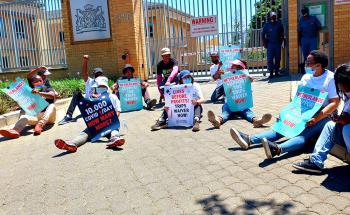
[214, 205]
[28, 130]
[62, 154]
[268, 162]
[338, 179]
[115, 149]
[240, 149]
[276, 79]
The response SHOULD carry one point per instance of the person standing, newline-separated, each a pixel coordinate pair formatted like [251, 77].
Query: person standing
[308, 32]
[273, 37]
[216, 72]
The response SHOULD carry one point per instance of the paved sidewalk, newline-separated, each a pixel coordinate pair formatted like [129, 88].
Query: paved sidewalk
[166, 172]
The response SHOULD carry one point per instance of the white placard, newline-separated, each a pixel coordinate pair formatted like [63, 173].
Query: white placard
[178, 99]
[203, 26]
[90, 20]
[342, 1]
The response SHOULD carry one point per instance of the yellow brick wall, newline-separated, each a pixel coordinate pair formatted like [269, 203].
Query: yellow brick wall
[126, 21]
[293, 36]
[341, 34]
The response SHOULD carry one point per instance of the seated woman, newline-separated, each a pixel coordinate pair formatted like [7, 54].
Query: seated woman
[101, 87]
[47, 116]
[198, 98]
[317, 77]
[336, 131]
[128, 73]
[247, 114]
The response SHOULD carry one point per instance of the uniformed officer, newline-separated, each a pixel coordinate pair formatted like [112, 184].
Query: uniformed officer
[308, 28]
[272, 37]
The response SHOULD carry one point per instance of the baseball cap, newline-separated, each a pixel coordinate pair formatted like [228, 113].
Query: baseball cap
[101, 81]
[165, 51]
[214, 53]
[238, 63]
[273, 14]
[128, 66]
[43, 70]
[184, 73]
[97, 70]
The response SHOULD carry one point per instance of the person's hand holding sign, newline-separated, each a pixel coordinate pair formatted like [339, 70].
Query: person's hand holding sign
[194, 102]
[35, 91]
[312, 122]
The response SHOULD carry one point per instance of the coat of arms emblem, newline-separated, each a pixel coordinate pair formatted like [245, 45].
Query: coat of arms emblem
[90, 19]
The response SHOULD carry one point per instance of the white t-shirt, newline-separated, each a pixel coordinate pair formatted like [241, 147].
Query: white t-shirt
[115, 102]
[88, 87]
[213, 70]
[347, 106]
[197, 92]
[323, 82]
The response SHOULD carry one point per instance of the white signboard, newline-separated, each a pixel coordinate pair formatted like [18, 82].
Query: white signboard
[90, 20]
[178, 99]
[342, 1]
[203, 26]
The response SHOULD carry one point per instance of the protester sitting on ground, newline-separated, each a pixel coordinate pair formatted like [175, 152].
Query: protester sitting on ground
[167, 70]
[43, 72]
[317, 77]
[198, 98]
[216, 72]
[47, 116]
[247, 114]
[77, 95]
[336, 131]
[128, 73]
[101, 87]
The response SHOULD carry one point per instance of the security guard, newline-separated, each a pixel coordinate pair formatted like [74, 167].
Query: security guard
[308, 28]
[272, 37]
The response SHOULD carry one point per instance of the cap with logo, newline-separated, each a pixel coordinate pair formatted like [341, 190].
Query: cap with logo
[165, 51]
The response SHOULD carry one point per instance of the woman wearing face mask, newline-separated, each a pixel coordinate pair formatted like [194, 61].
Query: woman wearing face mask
[318, 78]
[101, 87]
[335, 131]
[47, 116]
[247, 114]
[185, 77]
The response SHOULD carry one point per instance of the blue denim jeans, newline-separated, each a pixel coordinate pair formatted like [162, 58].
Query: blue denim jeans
[227, 114]
[331, 134]
[294, 143]
[218, 92]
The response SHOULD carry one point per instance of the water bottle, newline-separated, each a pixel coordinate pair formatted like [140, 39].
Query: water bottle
[125, 127]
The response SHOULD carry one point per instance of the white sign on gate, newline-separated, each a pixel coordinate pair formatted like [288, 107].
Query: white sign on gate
[204, 26]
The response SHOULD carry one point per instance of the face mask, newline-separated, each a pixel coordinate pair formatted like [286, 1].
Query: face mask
[187, 81]
[101, 90]
[309, 70]
[216, 61]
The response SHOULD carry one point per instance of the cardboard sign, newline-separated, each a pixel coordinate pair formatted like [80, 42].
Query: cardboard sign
[293, 118]
[228, 54]
[238, 90]
[99, 115]
[178, 99]
[130, 94]
[21, 92]
[204, 26]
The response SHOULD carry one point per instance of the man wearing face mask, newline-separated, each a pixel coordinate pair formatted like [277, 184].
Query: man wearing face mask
[272, 37]
[308, 32]
[77, 95]
[216, 72]
[43, 72]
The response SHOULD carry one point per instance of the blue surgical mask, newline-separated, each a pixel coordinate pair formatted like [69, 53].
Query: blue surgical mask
[309, 70]
[101, 90]
[187, 81]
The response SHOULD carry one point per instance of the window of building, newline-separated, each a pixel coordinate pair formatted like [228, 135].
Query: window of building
[61, 36]
[150, 28]
[20, 29]
[4, 62]
[2, 27]
[23, 61]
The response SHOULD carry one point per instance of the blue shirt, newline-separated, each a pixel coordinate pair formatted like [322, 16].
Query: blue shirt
[309, 27]
[273, 32]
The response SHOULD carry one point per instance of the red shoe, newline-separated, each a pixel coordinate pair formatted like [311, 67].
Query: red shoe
[38, 129]
[10, 133]
[115, 142]
[61, 144]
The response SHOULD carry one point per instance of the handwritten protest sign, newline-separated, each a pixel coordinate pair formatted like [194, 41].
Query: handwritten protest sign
[130, 93]
[21, 92]
[178, 99]
[228, 54]
[293, 118]
[99, 115]
[238, 90]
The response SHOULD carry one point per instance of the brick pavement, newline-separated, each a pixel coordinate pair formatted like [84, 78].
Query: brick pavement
[166, 172]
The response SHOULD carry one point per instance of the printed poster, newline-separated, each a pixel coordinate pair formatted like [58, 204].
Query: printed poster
[228, 54]
[293, 118]
[130, 93]
[178, 99]
[238, 90]
[99, 115]
[21, 92]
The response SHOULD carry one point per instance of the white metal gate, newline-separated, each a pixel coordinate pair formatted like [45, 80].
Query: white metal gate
[167, 24]
[31, 34]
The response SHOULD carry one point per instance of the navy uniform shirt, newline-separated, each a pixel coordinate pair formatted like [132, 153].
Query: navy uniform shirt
[273, 31]
[309, 27]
